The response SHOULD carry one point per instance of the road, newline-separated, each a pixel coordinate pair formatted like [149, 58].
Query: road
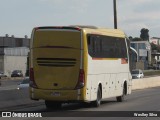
[9, 84]
[11, 97]
[139, 100]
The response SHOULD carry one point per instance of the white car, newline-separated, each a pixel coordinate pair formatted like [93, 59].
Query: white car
[137, 74]
[24, 84]
[2, 75]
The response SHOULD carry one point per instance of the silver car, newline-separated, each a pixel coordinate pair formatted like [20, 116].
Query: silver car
[24, 84]
[137, 74]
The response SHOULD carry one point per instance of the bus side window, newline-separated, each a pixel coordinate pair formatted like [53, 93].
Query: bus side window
[90, 44]
[123, 49]
[129, 45]
[88, 40]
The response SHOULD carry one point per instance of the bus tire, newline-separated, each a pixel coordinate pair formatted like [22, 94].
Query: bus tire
[53, 104]
[122, 97]
[97, 102]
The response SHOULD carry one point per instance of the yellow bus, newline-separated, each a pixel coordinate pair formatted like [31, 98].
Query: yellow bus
[79, 64]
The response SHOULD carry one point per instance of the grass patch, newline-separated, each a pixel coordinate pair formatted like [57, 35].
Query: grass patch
[151, 72]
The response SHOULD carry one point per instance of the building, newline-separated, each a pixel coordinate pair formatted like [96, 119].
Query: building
[155, 40]
[13, 54]
[143, 49]
[14, 42]
[155, 53]
[13, 59]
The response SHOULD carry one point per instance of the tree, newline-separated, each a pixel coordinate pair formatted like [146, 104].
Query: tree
[144, 34]
[130, 37]
[137, 39]
[155, 47]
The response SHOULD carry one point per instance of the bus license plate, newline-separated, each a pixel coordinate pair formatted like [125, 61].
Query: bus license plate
[56, 94]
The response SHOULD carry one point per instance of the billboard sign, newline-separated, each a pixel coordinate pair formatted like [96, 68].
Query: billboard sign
[143, 52]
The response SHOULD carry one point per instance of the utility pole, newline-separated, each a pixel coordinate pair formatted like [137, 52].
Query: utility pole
[115, 14]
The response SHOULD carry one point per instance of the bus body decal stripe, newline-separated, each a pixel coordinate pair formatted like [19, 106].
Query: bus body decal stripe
[124, 61]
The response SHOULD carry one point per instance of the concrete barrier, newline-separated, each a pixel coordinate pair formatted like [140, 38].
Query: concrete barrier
[145, 83]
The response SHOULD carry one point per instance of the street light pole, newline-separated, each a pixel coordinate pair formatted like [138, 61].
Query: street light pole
[115, 14]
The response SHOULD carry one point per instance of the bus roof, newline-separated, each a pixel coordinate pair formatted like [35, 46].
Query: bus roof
[90, 30]
[100, 31]
[104, 31]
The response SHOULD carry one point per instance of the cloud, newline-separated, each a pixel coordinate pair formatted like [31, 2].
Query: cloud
[136, 14]
[140, 17]
[141, 1]
[133, 29]
[136, 2]
[68, 3]
[132, 14]
[67, 9]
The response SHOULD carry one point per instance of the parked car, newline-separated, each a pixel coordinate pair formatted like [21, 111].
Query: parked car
[2, 75]
[137, 74]
[24, 84]
[17, 73]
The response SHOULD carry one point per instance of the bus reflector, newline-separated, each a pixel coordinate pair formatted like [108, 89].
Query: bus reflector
[32, 80]
[81, 79]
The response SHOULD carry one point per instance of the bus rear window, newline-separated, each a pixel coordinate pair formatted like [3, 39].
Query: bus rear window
[63, 38]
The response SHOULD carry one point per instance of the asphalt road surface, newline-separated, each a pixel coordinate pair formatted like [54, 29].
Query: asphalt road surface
[140, 100]
[9, 84]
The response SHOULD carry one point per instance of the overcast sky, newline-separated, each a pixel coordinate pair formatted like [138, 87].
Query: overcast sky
[18, 17]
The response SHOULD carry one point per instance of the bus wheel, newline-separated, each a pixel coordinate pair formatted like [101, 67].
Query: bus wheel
[97, 102]
[122, 97]
[53, 104]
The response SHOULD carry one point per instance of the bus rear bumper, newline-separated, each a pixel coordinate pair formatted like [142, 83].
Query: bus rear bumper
[56, 95]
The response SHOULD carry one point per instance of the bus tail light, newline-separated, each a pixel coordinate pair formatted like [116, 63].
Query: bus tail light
[32, 80]
[81, 79]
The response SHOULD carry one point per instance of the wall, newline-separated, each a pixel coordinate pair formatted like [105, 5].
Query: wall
[17, 51]
[14, 63]
[145, 83]
[1, 63]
